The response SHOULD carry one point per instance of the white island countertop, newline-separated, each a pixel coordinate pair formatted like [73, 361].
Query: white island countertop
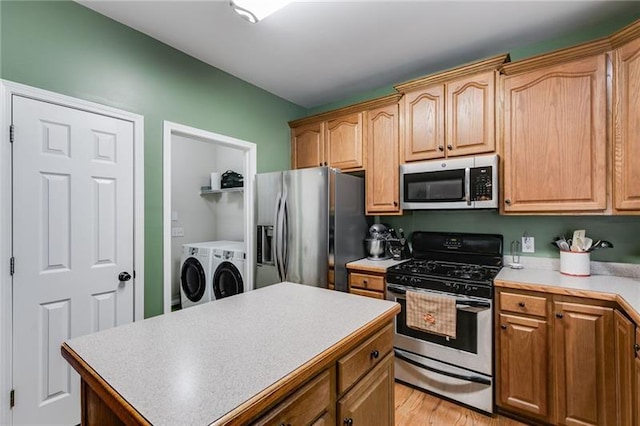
[196, 365]
[624, 290]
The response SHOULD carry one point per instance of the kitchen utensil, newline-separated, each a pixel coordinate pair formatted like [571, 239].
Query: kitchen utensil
[578, 234]
[601, 244]
[561, 244]
[587, 242]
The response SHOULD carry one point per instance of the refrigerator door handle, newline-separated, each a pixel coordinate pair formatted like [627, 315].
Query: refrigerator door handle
[285, 236]
[277, 237]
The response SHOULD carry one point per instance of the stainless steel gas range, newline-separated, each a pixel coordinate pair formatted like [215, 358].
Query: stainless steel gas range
[459, 266]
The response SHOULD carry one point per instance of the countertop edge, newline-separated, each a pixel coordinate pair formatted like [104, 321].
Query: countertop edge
[562, 291]
[264, 400]
[123, 409]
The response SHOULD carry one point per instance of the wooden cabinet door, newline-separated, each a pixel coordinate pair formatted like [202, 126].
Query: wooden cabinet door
[471, 115]
[345, 143]
[424, 124]
[382, 178]
[555, 138]
[624, 353]
[627, 125]
[584, 364]
[523, 365]
[371, 401]
[307, 146]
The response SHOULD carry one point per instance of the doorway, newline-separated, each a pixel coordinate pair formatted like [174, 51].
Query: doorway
[76, 254]
[220, 153]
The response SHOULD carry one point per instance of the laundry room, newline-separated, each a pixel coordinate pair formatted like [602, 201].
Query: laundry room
[207, 206]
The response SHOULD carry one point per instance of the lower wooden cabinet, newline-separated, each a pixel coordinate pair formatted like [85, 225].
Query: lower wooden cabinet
[568, 361]
[358, 386]
[370, 402]
[368, 284]
[524, 365]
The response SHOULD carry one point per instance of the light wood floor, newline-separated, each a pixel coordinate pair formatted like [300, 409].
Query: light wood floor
[415, 408]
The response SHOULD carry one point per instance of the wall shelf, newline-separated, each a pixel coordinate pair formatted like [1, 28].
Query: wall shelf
[220, 191]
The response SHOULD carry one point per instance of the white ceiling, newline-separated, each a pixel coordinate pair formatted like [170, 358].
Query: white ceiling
[316, 52]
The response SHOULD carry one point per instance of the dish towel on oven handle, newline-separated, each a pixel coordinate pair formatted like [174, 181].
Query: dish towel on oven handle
[433, 314]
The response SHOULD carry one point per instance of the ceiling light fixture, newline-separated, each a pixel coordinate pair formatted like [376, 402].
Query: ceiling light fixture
[256, 10]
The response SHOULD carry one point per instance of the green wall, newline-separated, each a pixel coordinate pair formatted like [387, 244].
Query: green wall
[622, 231]
[67, 48]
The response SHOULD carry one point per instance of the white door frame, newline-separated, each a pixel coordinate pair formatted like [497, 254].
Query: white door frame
[7, 90]
[249, 149]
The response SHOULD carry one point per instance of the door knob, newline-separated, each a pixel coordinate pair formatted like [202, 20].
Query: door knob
[124, 276]
[449, 147]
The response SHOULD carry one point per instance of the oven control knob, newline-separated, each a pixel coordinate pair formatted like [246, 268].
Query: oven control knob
[414, 280]
[404, 280]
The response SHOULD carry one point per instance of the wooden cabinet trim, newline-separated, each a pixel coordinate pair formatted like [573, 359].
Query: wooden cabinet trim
[465, 70]
[624, 358]
[359, 107]
[626, 34]
[557, 57]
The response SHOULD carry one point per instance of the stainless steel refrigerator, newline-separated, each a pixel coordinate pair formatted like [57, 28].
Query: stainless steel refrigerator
[308, 221]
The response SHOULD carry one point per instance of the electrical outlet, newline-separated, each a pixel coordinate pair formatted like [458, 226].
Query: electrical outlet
[177, 232]
[528, 245]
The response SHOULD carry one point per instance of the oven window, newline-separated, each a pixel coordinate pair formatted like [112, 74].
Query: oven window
[434, 186]
[466, 330]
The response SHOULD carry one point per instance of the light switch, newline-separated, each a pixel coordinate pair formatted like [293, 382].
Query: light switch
[177, 232]
[174, 216]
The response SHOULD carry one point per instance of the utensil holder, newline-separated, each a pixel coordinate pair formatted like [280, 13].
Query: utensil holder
[577, 264]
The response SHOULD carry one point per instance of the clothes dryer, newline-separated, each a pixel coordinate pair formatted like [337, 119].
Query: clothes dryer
[228, 267]
[197, 271]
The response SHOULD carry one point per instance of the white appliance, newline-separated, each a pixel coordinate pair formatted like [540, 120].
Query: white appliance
[228, 270]
[197, 271]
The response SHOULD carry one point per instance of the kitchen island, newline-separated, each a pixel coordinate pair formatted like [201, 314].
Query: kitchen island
[286, 353]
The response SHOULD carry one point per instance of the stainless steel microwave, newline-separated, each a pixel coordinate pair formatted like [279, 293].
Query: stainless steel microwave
[459, 183]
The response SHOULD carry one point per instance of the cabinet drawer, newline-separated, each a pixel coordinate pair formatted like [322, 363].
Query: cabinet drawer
[524, 304]
[374, 294]
[363, 358]
[304, 406]
[367, 282]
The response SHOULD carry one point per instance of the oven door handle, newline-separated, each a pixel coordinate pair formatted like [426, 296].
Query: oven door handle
[476, 379]
[460, 303]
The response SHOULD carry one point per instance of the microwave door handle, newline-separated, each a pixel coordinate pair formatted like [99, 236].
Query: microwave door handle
[467, 185]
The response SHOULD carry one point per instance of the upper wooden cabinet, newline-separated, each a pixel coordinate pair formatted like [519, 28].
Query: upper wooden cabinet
[307, 145]
[337, 143]
[344, 141]
[451, 113]
[626, 160]
[382, 179]
[555, 137]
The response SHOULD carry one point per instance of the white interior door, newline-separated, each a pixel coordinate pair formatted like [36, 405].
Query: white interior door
[72, 227]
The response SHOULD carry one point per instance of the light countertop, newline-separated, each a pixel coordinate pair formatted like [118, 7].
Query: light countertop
[605, 287]
[195, 365]
[379, 266]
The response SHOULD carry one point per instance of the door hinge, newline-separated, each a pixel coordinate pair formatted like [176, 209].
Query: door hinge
[12, 265]
[11, 133]
[12, 398]
[134, 274]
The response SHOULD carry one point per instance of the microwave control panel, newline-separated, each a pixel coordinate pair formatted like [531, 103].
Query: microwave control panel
[481, 183]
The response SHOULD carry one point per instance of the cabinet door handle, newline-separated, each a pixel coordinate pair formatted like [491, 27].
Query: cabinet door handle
[441, 148]
[449, 146]
[395, 204]
[320, 164]
[636, 347]
[364, 282]
[521, 304]
[375, 354]
[347, 421]
[507, 202]
[325, 163]
[503, 326]
[559, 315]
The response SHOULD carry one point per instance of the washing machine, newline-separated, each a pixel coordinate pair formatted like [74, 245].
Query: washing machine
[228, 270]
[197, 271]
